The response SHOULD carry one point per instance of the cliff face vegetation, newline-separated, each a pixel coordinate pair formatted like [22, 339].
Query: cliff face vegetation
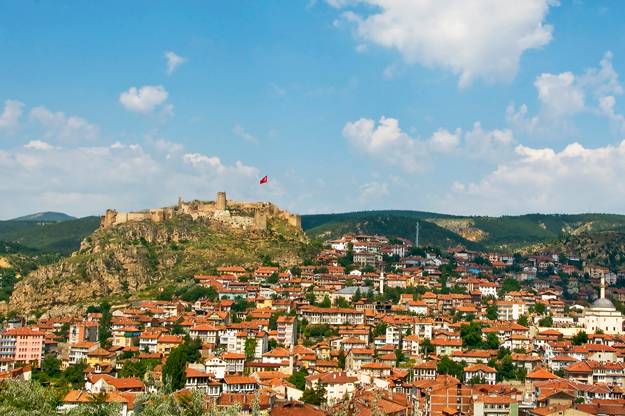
[604, 248]
[135, 259]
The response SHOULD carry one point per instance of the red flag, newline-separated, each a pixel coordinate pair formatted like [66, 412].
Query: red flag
[263, 180]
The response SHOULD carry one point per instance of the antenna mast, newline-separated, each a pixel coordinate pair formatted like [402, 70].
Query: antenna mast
[417, 236]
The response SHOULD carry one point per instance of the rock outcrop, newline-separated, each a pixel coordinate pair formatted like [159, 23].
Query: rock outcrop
[137, 257]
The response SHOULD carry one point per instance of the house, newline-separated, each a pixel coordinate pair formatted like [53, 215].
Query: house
[235, 363]
[480, 374]
[425, 371]
[495, 406]
[336, 384]
[239, 384]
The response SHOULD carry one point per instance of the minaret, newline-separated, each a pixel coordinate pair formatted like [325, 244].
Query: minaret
[291, 360]
[381, 281]
[602, 288]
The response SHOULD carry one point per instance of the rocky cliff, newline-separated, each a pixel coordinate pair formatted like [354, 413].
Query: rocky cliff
[134, 259]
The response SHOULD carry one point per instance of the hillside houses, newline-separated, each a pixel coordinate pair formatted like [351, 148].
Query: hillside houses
[455, 333]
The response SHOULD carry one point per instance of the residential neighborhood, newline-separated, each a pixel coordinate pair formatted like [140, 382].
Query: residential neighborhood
[419, 331]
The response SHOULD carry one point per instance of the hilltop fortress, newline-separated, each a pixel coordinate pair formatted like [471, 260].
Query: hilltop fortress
[245, 215]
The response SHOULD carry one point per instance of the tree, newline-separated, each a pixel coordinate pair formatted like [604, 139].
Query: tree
[26, 398]
[471, 334]
[523, 320]
[75, 374]
[546, 322]
[250, 348]
[316, 397]
[427, 347]
[509, 285]
[399, 357]
[104, 331]
[448, 366]
[492, 343]
[357, 296]
[174, 370]
[326, 302]
[273, 279]
[341, 359]
[540, 308]
[491, 311]
[380, 329]
[51, 365]
[580, 338]
[298, 378]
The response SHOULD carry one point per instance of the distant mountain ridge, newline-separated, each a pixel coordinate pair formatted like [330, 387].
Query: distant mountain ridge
[48, 216]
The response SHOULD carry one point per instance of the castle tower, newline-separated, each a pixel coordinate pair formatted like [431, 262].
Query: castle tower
[221, 201]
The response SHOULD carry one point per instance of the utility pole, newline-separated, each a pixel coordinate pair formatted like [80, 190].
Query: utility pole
[416, 241]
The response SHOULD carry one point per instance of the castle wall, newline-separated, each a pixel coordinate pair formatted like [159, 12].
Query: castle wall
[260, 220]
[216, 211]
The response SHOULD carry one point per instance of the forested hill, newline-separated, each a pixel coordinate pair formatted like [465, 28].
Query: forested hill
[315, 220]
[45, 217]
[392, 226]
[51, 237]
[498, 233]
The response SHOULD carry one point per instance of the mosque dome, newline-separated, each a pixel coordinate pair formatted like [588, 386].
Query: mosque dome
[603, 303]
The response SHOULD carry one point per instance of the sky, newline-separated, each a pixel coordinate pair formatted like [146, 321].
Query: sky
[470, 107]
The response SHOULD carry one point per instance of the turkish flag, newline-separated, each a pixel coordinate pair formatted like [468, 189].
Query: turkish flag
[263, 180]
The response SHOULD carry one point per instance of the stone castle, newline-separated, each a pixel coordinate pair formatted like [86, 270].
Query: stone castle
[245, 215]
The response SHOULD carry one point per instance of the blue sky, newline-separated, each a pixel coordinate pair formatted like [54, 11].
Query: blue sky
[344, 104]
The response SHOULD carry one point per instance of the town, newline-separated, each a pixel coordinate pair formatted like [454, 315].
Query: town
[371, 326]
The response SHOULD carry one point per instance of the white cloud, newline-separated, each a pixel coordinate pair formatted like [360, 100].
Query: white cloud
[9, 119]
[544, 180]
[39, 145]
[560, 95]
[362, 48]
[240, 131]
[565, 95]
[386, 143]
[173, 62]
[372, 191]
[391, 146]
[88, 180]
[443, 141]
[72, 129]
[275, 90]
[473, 38]
[145, 99]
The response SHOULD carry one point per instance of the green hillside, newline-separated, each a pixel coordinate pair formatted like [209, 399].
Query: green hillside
[392, 226]
[49, 237]
[45, 217]
[537, 228]
[315, 220]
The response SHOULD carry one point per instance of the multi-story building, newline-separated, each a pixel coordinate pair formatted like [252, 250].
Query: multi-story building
[287, 330]
[333, 316]
[79, 351]
[83, 332]
[148, 342]
[510, 311]
[23, 345]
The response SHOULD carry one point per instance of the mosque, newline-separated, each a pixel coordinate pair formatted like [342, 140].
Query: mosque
[602, 315]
